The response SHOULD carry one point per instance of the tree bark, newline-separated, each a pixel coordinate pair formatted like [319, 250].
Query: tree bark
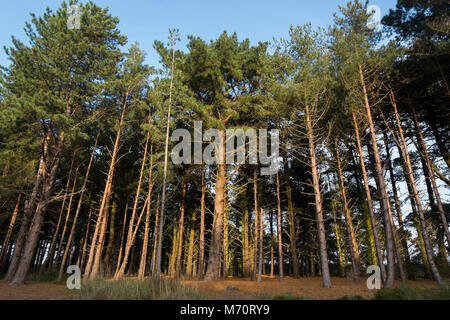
[147, 220]
[12, 222]
[279, 233]
[77, 212]
[354, 252]
[201, 256]
[428, 248]
[326, 279]
[369, 201]
[212, 271]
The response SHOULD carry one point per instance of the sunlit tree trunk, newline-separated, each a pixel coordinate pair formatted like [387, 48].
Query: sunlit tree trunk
[143, 261]
[326, 279]
[354, 252]
[212, 271]
[12, 222]
[181, 228]
[428, 248]
[77, 212]
[369, 200]
[279, 234]
[95, 252]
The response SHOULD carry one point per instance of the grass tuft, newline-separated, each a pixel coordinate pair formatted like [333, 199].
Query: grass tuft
[150, 289]
[414, 293]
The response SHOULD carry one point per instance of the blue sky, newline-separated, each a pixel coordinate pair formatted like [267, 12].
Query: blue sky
[149, 20]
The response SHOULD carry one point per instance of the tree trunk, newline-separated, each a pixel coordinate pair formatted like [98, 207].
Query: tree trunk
[28, 213]
[190, 252]
[201, 256]
[5, 244]
[225, 244]
[155, 237]
[131, 228]
[428, 248]
[166, 155]
[77, 212]
[181, 228]
[326, 280]
[86, 237]
[431, 175]
[279, 233]
[384, 199]
[354, 252]
[403, 241]
[212, 271]
[147, 220]
[369, 201]
[96, 248]
[255, 236]
[261, 232]
[35, 228]
[51, 253]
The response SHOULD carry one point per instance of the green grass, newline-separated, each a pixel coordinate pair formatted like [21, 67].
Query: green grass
[50, 276]
[149, 289]
[413, 293]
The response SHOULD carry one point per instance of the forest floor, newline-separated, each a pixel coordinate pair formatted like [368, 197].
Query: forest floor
[230, 289]
[290, 288]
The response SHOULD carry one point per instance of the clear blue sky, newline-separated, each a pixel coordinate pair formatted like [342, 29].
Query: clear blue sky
[149, 20]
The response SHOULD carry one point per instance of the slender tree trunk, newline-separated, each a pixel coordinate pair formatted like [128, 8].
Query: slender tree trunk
[431, 116]
[95, 253]
[202, 227]
[279, 232]
[225, 244]
[428, 248]
[131, 228]
[28, 212]
[51, 253]
[245, 239]
[155, 237]
[261, 232]
[431, 175]
[326, 280]
[147, 220]
[384, 199]
[66, 222]
[338, 239]
[354, 252]
[403, 241]
[255, 236]
[86, 237]
[122, 238]
[272, 244]
[369, 201]
[292, 230]
[212, 271]
[12, 222]
[166, 154]
[77, 212]
[190, 251]
[35, 228]
[181, 229]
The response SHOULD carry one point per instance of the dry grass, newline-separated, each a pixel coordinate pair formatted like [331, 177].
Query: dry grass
[290, 288]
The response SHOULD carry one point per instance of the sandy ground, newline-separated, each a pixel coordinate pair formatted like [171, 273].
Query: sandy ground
[307, 288]
[35, 291]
